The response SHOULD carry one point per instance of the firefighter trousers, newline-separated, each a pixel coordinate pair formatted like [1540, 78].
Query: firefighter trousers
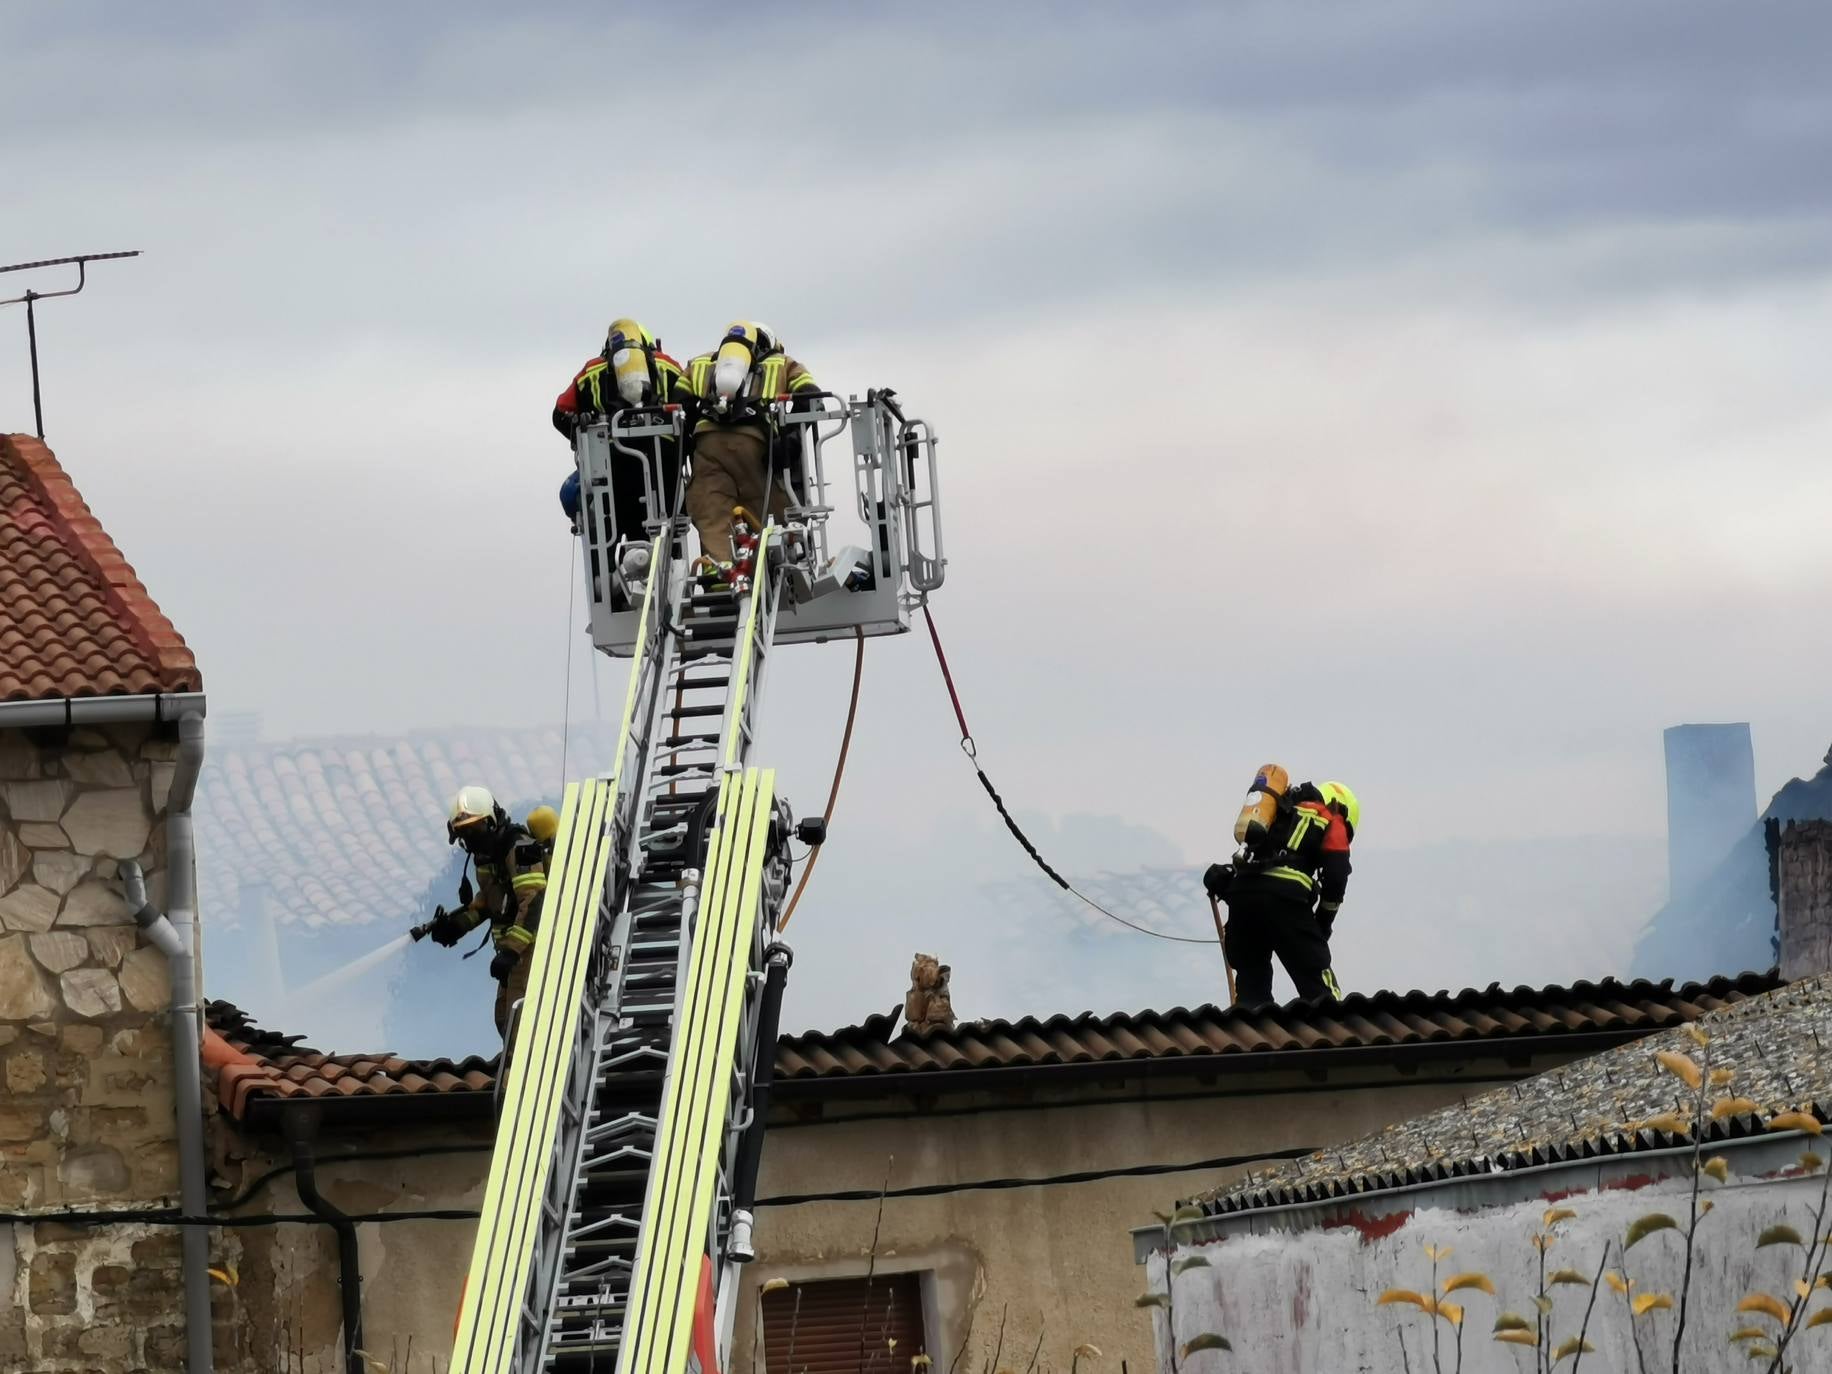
[508, 992]
[1263, 923]
[729, 471]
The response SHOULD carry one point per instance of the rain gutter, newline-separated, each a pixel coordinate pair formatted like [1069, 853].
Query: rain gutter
[73, 711]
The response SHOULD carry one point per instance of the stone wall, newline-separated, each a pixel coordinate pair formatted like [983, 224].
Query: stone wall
[86, 1075]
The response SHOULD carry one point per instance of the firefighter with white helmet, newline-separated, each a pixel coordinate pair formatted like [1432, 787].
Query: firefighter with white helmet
[511, 880]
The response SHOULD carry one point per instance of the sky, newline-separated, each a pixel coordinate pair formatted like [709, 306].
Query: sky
[1425, 395]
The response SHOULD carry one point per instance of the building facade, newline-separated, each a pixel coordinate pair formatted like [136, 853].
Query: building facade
[964, 1192]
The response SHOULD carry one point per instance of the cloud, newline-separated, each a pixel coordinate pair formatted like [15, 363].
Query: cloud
[1428, 396]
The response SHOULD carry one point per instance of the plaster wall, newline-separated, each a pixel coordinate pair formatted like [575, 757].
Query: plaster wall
[1054, 1261]
[1300, 1301]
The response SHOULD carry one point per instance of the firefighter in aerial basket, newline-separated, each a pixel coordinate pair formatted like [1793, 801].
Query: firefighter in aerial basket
[738, 459]
[1286, 884]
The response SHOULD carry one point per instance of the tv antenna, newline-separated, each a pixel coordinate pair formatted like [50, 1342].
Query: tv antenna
[30, 300]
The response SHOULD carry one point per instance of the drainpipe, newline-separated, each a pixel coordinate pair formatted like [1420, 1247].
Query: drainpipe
[301, 1127]
[750, 1153]
[176, 938]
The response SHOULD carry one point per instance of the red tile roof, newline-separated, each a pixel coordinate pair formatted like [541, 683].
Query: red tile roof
[252, 1064]
[74, 620]
[248, 1064]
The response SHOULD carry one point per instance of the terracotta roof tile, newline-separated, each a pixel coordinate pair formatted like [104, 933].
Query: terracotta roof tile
[251, 1062]
[74, 620]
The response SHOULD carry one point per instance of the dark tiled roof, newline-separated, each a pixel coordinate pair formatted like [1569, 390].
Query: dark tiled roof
[1360, 1021]
[1778, 1045]
[278, 1066]
[74, 620]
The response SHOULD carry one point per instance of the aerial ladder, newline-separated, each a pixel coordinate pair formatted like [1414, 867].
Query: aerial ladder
[617, 1213]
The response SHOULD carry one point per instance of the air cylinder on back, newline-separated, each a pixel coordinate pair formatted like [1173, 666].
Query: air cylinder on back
[1261, 808]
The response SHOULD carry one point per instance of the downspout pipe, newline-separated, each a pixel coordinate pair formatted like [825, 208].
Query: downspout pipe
[300, 1123]
[176, 938]
[763, 1071]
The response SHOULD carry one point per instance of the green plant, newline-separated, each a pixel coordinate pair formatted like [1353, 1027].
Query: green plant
[1167, 1300]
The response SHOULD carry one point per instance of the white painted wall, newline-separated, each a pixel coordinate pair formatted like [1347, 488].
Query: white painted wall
[1302, 1302]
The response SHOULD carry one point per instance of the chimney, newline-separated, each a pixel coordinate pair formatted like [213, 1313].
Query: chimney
[928, 1004]
[1711, 799]
[1803, 897]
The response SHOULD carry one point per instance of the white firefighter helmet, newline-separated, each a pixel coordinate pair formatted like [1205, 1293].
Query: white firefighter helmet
[473, 805]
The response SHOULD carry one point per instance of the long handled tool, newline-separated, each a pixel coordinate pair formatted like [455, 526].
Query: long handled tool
[1221, 935]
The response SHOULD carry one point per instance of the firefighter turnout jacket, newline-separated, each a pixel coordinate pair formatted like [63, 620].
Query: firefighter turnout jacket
[594, 391]
[1305, 854]
[771, 378]
[509, 889]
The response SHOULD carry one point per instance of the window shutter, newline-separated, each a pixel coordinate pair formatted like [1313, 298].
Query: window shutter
[832, 1314]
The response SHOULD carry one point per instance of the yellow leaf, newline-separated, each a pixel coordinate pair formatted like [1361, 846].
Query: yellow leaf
[1779, 1235]
[1568, 1276]
[1705, 1206]
[1618, 1282]
[1557, 1214]
[1803, 1288]
[1811, 1162]
[1733, 1106]
[1457, 1282]
[1188, 1211]
[1393, 1295]
[1760, 1350]
[1513, 1321]
[890, 1343]
[1823, 1281]
[1437, 1252]
[1722, 1078]
[1571, 1347]
[1517, 1337]
[1544, 1304]
[1451, 1313]
[1748, 1333]
[1682, 1067]
[1542, 1243]
[1795, 1121]
[1764, 1304]
[1643, 1227]
[1084, 1350]
[225, 1276]
[1718, 1167]
[1670, 1122]
[923, 1361]
[1821, 1317]
[775, 1285]
[1650, 1302]
[1697, 1036]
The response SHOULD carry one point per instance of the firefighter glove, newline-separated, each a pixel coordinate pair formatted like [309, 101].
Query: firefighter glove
[1217, 879]
[1326, 917]
[447, 928]
[503, 964]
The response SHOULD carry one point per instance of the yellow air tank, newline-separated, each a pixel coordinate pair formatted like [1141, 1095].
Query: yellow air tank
[1262, 805]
